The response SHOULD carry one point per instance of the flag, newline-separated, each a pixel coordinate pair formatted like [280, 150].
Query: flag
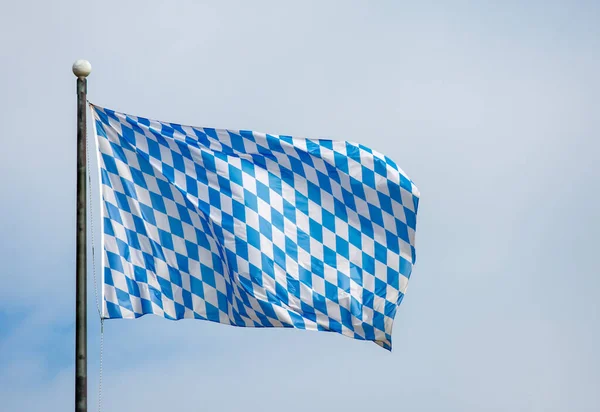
[252, 229]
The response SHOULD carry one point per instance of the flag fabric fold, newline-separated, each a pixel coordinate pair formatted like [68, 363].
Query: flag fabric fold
[252, 229]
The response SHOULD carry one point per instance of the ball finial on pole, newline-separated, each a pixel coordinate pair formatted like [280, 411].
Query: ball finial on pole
[82, 68]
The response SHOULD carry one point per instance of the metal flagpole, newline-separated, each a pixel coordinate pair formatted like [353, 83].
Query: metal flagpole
[81, 69]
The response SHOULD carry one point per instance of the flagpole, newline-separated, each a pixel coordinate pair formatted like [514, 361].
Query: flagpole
[81, 69]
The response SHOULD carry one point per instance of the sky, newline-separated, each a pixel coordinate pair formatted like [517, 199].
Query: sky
[490, 107]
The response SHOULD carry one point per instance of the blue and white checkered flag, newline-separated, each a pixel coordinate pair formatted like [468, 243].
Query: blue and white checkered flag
[252, 229]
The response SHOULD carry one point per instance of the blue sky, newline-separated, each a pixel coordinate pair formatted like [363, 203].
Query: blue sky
[490, 107]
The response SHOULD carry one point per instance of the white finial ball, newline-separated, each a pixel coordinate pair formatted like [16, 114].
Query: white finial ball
[82, 68]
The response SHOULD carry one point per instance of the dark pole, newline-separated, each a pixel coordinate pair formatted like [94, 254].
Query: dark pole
[81, 69]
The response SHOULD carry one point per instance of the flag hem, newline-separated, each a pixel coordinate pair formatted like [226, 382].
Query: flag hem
[101, 214]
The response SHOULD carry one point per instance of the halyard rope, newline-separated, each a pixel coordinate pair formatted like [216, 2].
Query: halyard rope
[91, 209]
